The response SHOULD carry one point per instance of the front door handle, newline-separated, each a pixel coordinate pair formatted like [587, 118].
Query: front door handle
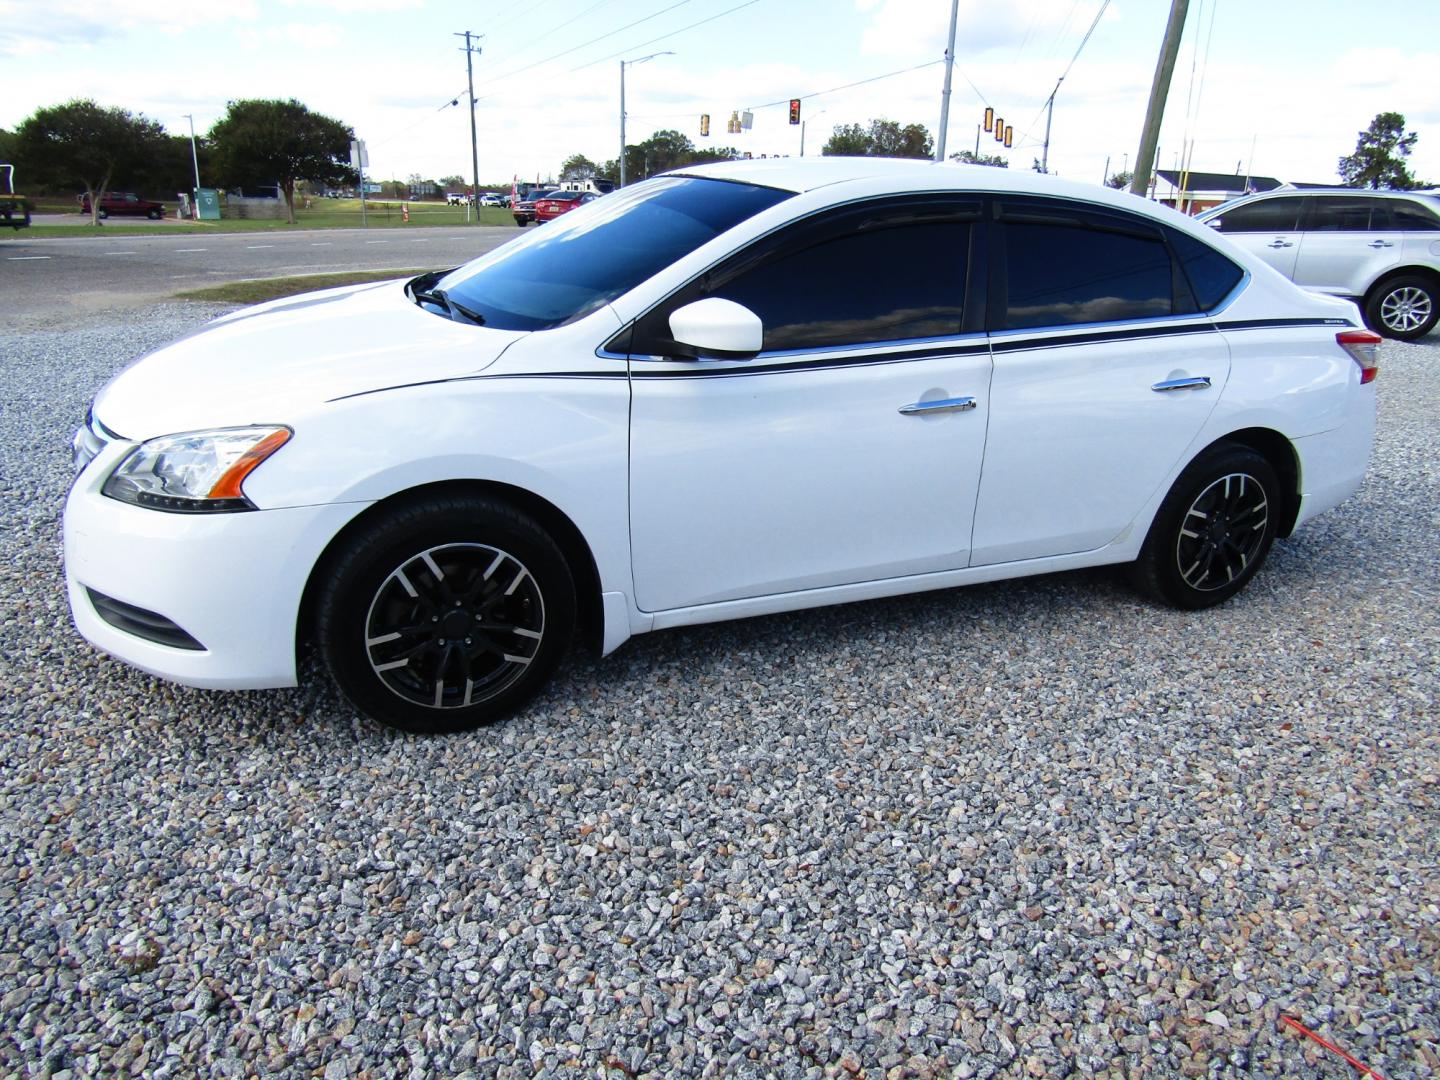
[1381, 243]
[953, 404]
[1278, 243]
[1195, 382]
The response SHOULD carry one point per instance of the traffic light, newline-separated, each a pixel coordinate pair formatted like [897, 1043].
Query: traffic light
[989, 119]
[704, 124]
[1009, 134]
[999, 130]
[794, 110]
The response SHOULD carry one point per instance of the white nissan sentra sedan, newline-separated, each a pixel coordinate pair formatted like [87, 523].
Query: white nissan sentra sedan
[743, 388]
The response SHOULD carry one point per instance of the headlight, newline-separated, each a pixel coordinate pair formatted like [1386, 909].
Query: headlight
[197, 472]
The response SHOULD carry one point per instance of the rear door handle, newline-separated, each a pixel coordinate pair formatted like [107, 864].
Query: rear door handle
[1195, 382]
[1381, 243]
[954, 404]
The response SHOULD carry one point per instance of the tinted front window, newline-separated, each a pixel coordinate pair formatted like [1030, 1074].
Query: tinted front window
[1267, 215]
[586, 258]
[1210, 274]
[1058, 275]
[883, 284]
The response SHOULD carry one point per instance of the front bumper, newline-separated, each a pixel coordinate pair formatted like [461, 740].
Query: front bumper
[232, 582]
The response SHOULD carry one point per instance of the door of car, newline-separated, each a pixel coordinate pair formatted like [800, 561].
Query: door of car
[1348, 242]
[1270, 228]
[849, 448]
[1105, 371]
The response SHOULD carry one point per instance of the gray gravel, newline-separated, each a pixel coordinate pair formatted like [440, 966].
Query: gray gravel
[1038, 828]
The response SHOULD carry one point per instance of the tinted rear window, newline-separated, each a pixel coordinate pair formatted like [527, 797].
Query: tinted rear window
[601, 250]
[1059, 275]
[1211, 275]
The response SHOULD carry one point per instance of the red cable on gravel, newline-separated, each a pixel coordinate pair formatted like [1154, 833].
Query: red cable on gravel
[1365, 1070]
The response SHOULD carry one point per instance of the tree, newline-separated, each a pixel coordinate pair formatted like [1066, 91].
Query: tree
[578, 167]
[87, 144]
[882, 138]
[1121, 181]
[454, 183]
[1380, 153]
[661, 152]
[969, 157]
[265, 141]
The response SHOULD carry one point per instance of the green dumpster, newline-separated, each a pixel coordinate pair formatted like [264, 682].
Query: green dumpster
[207, 201]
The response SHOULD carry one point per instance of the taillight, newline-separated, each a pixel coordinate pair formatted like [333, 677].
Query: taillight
[1364, 348]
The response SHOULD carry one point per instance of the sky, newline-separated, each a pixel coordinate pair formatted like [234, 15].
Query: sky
[1273, 87]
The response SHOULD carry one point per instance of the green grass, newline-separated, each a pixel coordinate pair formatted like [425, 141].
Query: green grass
[322, 214]
[258, 291]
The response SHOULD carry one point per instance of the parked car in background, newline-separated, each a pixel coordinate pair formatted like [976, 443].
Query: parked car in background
[490, 198]
[561, 202]
[743, 388]
[123, 202]
[524, 210]
[456, 198]
[1380, 249]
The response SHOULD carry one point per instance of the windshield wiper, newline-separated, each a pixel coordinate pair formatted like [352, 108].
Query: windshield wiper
[452, 307]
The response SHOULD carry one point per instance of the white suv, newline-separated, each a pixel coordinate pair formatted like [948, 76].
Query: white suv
[1378, 248]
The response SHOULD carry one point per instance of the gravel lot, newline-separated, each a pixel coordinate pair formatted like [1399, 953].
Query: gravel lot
[1039, 828]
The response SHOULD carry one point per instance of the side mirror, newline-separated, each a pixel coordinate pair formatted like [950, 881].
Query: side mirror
[718, 329]
[1214, 223]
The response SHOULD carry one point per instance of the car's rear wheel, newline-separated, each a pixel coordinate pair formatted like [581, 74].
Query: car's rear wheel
[154, 215]
[1213, 531]
[446, 613]
[1404, 308]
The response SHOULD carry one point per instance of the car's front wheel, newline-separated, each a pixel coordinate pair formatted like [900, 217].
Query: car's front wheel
[446, 613]
[1404, 308]
[103, 214]
[1213, 530]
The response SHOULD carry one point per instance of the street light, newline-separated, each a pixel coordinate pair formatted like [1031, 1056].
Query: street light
[195, 160]
[640, 60]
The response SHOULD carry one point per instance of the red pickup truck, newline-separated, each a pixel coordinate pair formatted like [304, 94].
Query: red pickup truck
[123, 202]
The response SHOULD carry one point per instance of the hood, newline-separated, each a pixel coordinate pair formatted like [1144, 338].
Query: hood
[267, 364]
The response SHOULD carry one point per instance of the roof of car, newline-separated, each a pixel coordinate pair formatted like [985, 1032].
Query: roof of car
[909, 174]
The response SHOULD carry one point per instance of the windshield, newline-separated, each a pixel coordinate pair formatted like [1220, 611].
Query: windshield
[584, 259]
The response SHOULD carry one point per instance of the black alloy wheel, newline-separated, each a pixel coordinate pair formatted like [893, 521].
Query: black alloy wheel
[1213, 531]
[446, 614]
[155, 215]
[1404, 308]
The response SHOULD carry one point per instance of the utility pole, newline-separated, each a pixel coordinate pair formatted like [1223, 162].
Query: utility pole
[195, 160]
[817, 116]
[945, 93]
[470, 51]
[1159, 91]
[632, 63]
[1049, 115]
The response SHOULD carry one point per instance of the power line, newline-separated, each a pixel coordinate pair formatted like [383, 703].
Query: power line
[541, 35]
[847, 86]
[662, 37]
[592, 41]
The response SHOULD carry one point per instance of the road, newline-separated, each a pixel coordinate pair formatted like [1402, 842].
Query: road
[45, 278]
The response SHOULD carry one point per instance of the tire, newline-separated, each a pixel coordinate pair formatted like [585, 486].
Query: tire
[522, 222]
[154, 215]
[409, 647]
[103, 214]
[1213, 530]
[1404, 308]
